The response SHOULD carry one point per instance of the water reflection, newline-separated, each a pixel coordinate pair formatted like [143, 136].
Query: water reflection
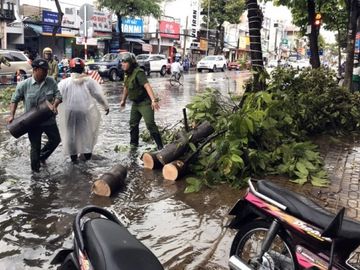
[186, 231]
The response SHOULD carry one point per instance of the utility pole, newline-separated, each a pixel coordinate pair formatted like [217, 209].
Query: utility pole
[185, 37]
[207, 26]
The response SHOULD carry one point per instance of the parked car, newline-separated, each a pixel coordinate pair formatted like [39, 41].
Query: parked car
[110, 66]
[142, 60]
[18, 62]
[212, 63]
[157, 63]
[233, 65]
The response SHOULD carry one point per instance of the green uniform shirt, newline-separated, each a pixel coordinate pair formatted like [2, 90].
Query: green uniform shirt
[135, 82]
[33, 93]
[53, 69]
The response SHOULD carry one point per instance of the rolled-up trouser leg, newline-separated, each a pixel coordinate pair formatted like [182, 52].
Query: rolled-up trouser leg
[135, 117]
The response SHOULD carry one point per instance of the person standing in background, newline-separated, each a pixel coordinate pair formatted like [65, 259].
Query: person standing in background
[53, 64]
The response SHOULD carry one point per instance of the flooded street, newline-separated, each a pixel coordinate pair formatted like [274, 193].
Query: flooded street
[185, 231]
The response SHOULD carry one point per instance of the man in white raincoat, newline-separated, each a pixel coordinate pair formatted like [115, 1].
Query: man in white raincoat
[79, 117]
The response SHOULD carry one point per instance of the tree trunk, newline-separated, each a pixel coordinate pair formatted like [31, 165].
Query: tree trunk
[111, 182]
[178, 148]
[339, 53]
[151, 161]
[350, 44]
[217, 37]
[255, 21]
[121, 34]
[314, 46]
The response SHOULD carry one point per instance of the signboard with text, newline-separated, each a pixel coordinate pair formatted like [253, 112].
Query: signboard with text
[101, 21]
[132, 27]
[49, 20]
[169, 29]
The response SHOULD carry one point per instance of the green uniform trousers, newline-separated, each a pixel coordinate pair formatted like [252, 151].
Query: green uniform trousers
[37, 153]
[139, 110]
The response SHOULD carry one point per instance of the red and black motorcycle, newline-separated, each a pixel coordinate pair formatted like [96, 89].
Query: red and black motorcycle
[279, 229]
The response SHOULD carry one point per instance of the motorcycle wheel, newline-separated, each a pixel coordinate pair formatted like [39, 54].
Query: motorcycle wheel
[247, 245]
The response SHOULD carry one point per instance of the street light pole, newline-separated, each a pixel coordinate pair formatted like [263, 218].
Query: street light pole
[207, 27]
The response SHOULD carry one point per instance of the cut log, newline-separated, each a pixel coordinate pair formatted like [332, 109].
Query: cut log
[111, 182]
[172, 151]
[172, 171]
[22, 124]
[201, 132]
[151, 161]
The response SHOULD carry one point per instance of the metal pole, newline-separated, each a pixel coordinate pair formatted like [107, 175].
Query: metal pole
[185, 37]
[207, 26]
[86, 32]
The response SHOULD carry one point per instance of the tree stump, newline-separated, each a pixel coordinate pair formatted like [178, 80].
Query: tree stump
[172, 151]
[111, 182]
[151, 161]
[172, 171]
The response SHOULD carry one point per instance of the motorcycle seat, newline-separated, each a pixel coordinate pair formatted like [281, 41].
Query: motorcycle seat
[307, 210]
[110, 246]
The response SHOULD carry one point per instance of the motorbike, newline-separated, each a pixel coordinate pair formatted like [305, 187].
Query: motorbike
[103, 243]
[280, 229]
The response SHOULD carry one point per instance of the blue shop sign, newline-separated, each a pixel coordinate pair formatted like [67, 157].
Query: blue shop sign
[132, 27]
[49, 20]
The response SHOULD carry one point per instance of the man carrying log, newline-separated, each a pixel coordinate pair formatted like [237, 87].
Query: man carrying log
[144, 103]
[34, 91]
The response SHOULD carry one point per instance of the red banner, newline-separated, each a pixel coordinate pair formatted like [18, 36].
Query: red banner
[169, 29]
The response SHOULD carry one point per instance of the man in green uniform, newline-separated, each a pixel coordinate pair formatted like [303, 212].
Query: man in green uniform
[53, 64]
[34, 91]
[144, 103]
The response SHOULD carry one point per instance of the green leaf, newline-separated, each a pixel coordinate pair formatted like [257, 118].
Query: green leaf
[299, 181]
[301, 167]
[250, 124]
[319, 182]
[237, 159]
[194, 185]
[192, 146]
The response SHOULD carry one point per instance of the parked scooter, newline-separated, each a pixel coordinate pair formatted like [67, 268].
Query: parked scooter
[104, 244]
[279, 229]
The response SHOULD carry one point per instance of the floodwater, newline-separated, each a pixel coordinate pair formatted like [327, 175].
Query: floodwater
[185, 231]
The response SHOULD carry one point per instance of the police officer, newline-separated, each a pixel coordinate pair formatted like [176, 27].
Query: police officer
[139, 91]
[34, 91]
[53, 64]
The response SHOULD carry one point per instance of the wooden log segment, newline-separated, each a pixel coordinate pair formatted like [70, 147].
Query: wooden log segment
[151, 161]
[173, 171]
[110, 183]
[175, 150]
[35, 116]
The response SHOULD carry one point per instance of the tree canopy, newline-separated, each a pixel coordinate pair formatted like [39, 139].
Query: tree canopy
[133, 8]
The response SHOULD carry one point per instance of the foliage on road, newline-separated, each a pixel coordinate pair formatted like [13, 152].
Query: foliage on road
[270, 133]
[5, 95]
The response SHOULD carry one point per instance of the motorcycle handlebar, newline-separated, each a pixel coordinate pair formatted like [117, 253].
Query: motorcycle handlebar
[86, 210]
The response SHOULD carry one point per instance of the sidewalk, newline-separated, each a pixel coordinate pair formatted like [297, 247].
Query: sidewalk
[342, 162]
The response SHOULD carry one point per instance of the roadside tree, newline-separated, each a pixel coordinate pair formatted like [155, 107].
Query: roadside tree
[131, 8]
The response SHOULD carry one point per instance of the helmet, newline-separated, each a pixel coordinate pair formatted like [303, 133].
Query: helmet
[47, 50]
[129, 58]
[77, 62]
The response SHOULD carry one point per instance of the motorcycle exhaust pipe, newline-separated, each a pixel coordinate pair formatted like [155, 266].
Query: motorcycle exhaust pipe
[235, 263]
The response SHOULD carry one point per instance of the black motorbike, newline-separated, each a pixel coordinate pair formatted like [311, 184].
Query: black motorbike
[279, 229]
[103, 243]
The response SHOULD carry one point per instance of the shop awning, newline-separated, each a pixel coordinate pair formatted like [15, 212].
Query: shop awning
[135, 40]
[32, 30]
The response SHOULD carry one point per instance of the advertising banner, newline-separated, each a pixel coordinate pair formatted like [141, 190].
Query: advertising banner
[169, 29]
[50, 19]
[101, 21]
[132, 27]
